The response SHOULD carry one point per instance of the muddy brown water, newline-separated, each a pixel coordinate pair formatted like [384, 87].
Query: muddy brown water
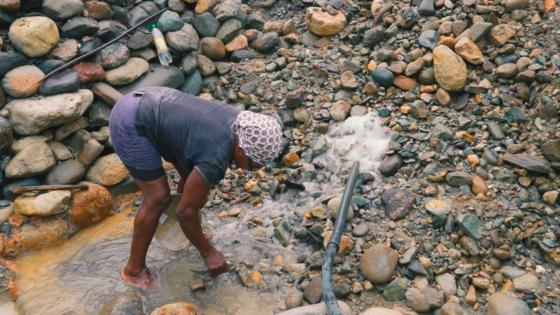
[81, 275]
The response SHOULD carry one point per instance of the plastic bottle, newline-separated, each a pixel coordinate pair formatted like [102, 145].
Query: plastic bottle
[163, 52]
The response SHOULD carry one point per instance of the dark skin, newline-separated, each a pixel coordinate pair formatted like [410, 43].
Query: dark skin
[156, 200]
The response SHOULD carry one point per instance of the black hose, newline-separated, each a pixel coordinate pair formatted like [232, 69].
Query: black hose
[89, 53]
[328, 295]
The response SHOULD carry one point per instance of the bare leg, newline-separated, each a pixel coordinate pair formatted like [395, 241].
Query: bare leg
[156, 200]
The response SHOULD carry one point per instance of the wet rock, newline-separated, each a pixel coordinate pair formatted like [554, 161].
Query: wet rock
[90, 206]
[39, 235]
[266, 42]
[449, 69]
[35, 159]
[7, 189]
[378, 263]
[457, 179]
[468, 49]
[322, 23]
[501, 33]
[31, 116]
[169, 21]
[62, 9]
[447, 283]
[78, 27]
[528, 162]
[46, 204]
[471, 225]
[10, 60]
[131, 70]
[383, 77]
[22, 81]
[184, 40]
[158, 75]
[67, 172]
[207, 25]
[107, 171]
[428, 38]
[64, 82]
[89, 72]
[313, 293]
[127, 303]
[397, 203]
[503, 304]
[113, 56]
[35, 36]
[424, 299]
[230, 29]
[390, 165]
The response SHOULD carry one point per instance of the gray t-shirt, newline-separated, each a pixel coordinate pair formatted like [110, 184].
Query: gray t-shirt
[189, 131]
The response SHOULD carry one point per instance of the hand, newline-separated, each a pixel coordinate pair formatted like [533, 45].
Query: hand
[215, 262]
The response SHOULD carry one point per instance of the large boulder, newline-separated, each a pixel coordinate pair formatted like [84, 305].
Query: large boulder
[450, 70]
[35, 36]
[46, 204]
[90, 206]
[35, 159]
[41, 234]
[108, 170]
[31, 116]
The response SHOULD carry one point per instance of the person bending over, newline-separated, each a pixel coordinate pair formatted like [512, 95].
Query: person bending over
[201, 138]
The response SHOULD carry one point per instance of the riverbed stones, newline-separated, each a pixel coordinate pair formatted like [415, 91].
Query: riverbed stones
[67, 172]
[35, 159]
[206, 24]
[31, 116]
[107, 171]
[35, 36]
[266, 42]
[503, 304]
[64, 82]
[229, 30]
[49, 203]
[62, 9]
[397, 203]
[158, 75]
[10, 60]
[383, 77]
[22, 81]
[10, 5]
[449, 69]
[212, 48]
[447, 283]
[179, 308]
[378, 263]
[113, 56]
[90, 206]
[380, 311]
[322, 23]
[227, 9]
[169, 21]
[390, 165]
[468, 49]
[240, 42]
[78, 27]
[471, 225]
[127, 303]
[90, 72]
[528, 162]
[127, 73]
[424, 299]
[501, 33]
[184, 40]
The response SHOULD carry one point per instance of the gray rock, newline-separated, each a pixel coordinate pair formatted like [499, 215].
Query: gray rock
[282, 235]
[378, 263]
[228, 9]
[512, 272]
[205, 65]
[479, 30]
[374, 36]
[189, 64]
[158, 75]
[383, 77]
[127, 303]
[266, 42]
[141, 11]
[503, 304]
[516, 4]
[527, 282]
[7, 190]
[390, 165]
[31, 116]
[184, 40]
[6, 134]
[528, 162]
[313, 293]
[496, 130]
[140, 39]
[457, 179]
[426, 7]
[453, 308]
[78, 27]
[98, 114]
[193, 84]
[426, 76]
[551, 149]
[10, 60]
[428, 39]
[127, 73]
[67, 172]
[113, 55]
[471, 225]
[396, 289]
[62, 9]
[229, 30]
[60, 151]
[446, 282]
[64, 82]
[169, 21]
[424, 299]
[206, 24]
[35, 159]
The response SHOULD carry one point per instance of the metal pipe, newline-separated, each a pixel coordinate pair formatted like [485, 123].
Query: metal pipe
[89, 53]
[328, 295]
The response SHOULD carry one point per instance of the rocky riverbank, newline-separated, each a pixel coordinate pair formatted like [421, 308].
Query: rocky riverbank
[462, 215]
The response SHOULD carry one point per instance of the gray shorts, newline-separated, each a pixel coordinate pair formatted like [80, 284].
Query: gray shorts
[140, 156]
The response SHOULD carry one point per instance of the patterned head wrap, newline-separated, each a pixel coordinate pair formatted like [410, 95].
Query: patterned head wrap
[260, 136]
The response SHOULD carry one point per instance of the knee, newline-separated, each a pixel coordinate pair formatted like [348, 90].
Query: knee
[186, 214]
[158, 201]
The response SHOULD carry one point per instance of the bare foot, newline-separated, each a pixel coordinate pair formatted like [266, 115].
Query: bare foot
[216, 263]
[144, 279]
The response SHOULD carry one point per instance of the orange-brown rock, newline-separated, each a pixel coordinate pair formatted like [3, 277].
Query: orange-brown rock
[90, 72]
[322, 23]
[291, 158]
[205, 5]
[238, 43]
[91, 205]
[43, 233]
[404, 83]
[179, 308]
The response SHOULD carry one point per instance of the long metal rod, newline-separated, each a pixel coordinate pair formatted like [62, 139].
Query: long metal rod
[340, 225]
[89, 53]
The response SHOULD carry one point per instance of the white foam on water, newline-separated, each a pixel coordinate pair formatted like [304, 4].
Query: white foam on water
[359, 138]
